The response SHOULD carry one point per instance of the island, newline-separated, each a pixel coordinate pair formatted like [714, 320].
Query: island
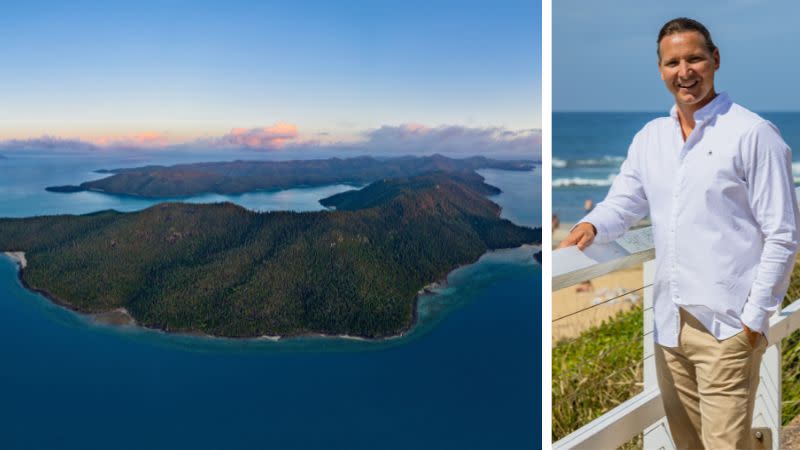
[222, 270]
[238, 177]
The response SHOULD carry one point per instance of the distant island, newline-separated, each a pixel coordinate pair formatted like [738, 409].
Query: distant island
[219, 269]
[238, 177]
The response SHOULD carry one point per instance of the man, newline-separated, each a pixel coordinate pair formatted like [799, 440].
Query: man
[716, 180]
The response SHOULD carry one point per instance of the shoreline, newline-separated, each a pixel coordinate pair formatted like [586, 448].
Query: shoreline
[121, 316]
[18, 257]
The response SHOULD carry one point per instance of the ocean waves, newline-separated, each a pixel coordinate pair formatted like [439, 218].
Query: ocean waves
[605, 161]
[582, 181]
[796, 172]
[576, 181]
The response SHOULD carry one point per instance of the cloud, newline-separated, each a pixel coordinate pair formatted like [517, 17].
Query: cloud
[47, 142]
[270, 138]
[144, 139]
[453, 139]
[405, 139]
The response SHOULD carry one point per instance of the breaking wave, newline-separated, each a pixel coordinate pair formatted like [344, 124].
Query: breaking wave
[605, 161]
[579, 181]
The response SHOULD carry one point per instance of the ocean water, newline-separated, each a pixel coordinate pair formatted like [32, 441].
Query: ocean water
[22, 191]
[467, 377]
[588, 149]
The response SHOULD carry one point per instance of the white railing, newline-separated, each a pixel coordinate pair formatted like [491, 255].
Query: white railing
[644, 412]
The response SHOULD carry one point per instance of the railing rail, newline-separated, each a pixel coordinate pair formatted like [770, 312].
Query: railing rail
[644, 412]
[572, 266]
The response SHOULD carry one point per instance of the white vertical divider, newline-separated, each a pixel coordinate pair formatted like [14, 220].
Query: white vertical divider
[767, 412]
[656, 436]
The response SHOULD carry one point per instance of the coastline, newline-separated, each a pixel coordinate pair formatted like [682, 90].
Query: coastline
[117, 316]
[18, 257]
[122, 317]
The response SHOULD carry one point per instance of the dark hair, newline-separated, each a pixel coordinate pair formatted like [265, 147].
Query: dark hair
[682, 25]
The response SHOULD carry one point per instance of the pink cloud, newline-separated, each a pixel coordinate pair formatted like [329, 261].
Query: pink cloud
[272, 137]
[404, 139]
[149, 139]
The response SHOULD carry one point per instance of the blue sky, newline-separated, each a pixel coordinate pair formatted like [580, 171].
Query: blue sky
[604, 53]
[173, 71]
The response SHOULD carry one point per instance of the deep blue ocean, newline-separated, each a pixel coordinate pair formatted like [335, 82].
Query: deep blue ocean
[467, 377]
[589, 147]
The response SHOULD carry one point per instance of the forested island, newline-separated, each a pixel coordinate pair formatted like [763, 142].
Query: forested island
[219, 269]
[238, 177]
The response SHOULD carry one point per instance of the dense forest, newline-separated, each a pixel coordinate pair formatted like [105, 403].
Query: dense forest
[223, 270]
[246, 176]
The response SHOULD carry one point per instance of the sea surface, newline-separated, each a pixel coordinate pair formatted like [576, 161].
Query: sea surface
[589, 147]
[466, 377]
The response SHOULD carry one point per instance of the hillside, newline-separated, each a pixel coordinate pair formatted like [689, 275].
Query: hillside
[222, 270]
[245, 176]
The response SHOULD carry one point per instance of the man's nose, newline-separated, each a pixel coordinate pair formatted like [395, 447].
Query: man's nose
[683, 69]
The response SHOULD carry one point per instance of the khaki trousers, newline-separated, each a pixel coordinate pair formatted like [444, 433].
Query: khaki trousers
[709, 387]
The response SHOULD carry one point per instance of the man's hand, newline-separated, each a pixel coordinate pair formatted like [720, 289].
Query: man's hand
[752, 336]
[582, 235]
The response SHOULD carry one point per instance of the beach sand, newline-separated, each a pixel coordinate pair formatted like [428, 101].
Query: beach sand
[568, 300]
[119, 316]
[18, 257]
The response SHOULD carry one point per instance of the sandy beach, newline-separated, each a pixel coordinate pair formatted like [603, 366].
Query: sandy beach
[18, 257]
[569, 300]
[118, 316]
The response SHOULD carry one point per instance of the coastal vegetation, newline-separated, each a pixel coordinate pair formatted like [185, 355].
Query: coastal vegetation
[222, 270]
[246, 176]
[596, 371]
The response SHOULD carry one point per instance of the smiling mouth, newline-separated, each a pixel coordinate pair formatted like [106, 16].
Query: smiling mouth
[688, 85]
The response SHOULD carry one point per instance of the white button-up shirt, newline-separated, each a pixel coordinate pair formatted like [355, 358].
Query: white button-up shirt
[723, 212]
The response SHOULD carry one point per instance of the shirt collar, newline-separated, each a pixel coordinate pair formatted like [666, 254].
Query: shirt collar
[718, 105]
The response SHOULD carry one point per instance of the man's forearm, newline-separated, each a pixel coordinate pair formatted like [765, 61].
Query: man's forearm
[771, 280]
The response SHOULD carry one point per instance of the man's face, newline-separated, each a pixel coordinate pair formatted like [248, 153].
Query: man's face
[687, 68]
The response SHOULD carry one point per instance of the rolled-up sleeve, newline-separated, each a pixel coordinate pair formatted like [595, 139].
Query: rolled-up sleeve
[768, 171]
[626, 202]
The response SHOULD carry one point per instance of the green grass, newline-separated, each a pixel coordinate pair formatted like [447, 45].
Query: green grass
[596, 372]
[791, 358]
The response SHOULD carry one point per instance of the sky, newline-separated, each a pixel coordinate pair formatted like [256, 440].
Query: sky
[604, 53]
[268, 73]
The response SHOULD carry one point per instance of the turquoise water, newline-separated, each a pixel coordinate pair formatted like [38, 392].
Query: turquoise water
[466, 377]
